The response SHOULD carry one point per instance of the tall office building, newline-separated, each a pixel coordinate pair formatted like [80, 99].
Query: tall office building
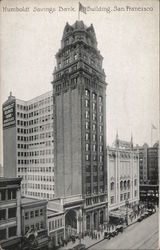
[79, 96]
[143, 173]
[28, 144]
[148, 163]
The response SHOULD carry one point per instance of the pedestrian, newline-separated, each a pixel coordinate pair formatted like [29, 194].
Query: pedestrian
[99, 235]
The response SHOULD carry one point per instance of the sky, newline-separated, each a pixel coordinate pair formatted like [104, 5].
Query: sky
[127, 40]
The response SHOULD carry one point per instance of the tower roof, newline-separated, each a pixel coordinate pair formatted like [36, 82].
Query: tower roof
[79, 26]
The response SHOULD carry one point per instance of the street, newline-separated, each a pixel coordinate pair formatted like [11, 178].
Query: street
[141, 235]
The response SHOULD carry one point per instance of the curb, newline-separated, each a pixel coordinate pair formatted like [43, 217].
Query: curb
[94, 244]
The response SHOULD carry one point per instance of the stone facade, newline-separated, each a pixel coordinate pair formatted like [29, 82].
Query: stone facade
[79, 101]
[10, 213]
[123, 175]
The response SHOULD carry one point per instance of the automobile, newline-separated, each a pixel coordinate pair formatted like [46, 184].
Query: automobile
[119, 229]
[140, 218]
[146, 214]
[79, 247]
[150, 212]
[143, 216]
[108, 235]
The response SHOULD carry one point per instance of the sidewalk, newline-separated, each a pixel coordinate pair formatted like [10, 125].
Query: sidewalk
[87, 241]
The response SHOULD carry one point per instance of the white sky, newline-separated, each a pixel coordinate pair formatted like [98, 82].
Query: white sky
[128, 41]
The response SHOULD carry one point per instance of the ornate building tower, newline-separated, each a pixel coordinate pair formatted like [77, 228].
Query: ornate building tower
[79, 95]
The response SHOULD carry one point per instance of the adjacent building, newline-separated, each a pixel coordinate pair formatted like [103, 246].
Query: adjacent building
[79, 102]
[56, 223]
[10, 213]
[152, 162]
[123, 179]
[148, 172]
[28, 141]
[143, 173]
[34, 223]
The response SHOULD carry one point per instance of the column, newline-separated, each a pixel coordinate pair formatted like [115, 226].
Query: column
[19, 212]
[92, 220]
[105, 214]
[84, 222]
[80, 220]
[98, 220]
[78, 224]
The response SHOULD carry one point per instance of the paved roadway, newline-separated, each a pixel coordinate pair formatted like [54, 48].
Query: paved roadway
[141, 235]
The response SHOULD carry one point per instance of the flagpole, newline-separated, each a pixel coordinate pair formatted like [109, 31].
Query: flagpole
[78, 13]
[151, 135]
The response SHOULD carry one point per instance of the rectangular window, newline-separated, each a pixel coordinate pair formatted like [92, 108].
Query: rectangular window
[50, 228]
[121, 197]
[94, 147]
[12, 212]
[100, 109]
[87, 157]
[100, 118]
[87, 92]
[87, 125]
[94, 96]
[55, 223]
[41, 211]
[100, 148]
[100, 158]
[87, 114]
[100, 128]
[2, 195]
[100, 99]
[87, 103]
[2, 234]
[94, 106]
[128, 195]
[26, 215]
[94, 127]
[100, 138]
[94, 137]
[87, 147]
[2, 214]
[32, 214]
[87, 136]
[36, 213]
[12, 231]
[94, 116]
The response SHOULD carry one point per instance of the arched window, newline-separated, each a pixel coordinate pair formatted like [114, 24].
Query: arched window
[121, 185]
[112, 185]
[128, 183]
